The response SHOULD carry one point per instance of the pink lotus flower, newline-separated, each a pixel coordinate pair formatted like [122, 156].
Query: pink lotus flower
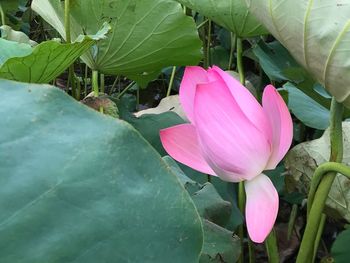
[233, 137]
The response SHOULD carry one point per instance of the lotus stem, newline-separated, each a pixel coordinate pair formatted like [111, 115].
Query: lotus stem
[291, 222]
[315, 215]
[240, 61]
[67, 20]
[85, 80]
[232, 50]
[208, 61]
[251, 251]
[95, 83]
[125, 90]
[319, 173]
[67, 28]
[102, 83]
[202, 24]
[2, 14]
[241, 206]
[271, 247]
[171, 82]
[318, 236]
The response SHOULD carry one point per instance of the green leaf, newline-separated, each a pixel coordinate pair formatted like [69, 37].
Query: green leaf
[220, 245]
[9, 7]
[208, 202]
[10, 49]
[306, 109]
[231, 14]
[340, 248]
[274, 59]
[44, 62]
[303, 159]
[146, 35]
[280, 66]
[79, 186]
[317, 34]
[149, 125]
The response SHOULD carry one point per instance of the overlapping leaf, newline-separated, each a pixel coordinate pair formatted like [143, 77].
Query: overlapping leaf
[44, 62]
[317, 34]
[146, 35]
[79, 186]
[231, 14]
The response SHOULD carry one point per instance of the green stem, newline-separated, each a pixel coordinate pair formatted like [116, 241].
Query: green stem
[95, 83]
[208, 44]
[70, 80]
[291, 222]
[202, 24]
[67, 20]
[78, 85]
[232, 50]
[318, 236]
[319, 173]
[171, 81]
[138, 98]
[307, 245]
[85, 80]
[2, 14]
[241, 206]
[125, 90]
[102, 83]
[240, 61]
[114, 85]
[251, 251]
[271, 247]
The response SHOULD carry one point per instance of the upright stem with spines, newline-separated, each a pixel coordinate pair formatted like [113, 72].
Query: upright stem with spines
[315, 215]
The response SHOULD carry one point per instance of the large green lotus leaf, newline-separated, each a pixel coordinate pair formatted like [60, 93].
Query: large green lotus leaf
[340, 248]
[317, 34]
[11, 49]
[209, 203]
[79, 186]
[220, 245]
[146, 35]
[231, 14]
[306, 109]
[44, 62]
[301, 163]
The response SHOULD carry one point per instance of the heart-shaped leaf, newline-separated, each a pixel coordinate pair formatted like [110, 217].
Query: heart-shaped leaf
[317, 34]
[231, 14]
[44, 62]
[146, 35]
[340, 248]
[79, 186]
